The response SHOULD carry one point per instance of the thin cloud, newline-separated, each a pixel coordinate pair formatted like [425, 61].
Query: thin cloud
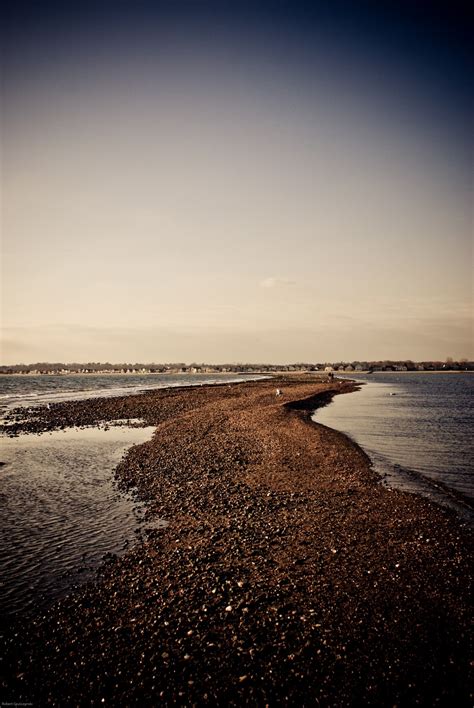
[275, 282]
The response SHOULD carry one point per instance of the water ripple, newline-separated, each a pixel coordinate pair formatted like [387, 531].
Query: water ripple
[61, 512]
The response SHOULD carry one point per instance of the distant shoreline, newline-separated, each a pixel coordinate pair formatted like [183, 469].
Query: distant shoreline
[415, 371]
[133, 373]
[263, 372]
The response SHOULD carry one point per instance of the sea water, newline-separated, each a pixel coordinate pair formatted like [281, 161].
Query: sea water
[416, 428]
[61, 512]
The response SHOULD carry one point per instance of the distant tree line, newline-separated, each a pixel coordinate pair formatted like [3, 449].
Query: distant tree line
[180, 367]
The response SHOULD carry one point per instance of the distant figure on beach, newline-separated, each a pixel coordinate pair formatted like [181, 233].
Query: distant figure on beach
[278, 392]
[331, 376]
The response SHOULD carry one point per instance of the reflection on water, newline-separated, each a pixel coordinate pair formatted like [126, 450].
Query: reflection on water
[60, 511]
[415, 427]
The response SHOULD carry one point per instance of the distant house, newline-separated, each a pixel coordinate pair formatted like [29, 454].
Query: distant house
[328, 368]
[349, 368]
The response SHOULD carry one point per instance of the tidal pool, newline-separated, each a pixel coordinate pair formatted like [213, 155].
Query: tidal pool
[61, 511]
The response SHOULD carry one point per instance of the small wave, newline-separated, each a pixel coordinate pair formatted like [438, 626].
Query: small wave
[409, 480]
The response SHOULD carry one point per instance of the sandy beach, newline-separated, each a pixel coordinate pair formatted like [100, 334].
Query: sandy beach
[287, 574]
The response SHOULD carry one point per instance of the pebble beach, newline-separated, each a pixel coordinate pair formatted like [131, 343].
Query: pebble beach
[286, 573]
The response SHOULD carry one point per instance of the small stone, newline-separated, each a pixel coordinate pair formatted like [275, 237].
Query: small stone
[228, 608]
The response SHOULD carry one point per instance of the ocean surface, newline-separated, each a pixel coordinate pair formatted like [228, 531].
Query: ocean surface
[35, 390]
[417, 430]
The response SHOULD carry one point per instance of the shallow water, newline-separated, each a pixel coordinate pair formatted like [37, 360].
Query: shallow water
[416, 428]
[60, 511]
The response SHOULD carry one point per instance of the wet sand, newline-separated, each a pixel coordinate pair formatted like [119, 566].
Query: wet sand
[287, 574]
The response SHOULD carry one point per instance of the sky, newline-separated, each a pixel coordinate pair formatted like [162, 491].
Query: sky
[236, 182]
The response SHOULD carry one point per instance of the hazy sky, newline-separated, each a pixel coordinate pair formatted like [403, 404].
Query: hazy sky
[183, 182]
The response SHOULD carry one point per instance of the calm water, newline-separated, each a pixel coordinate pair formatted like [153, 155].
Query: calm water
[60, 511]
[36, 390]
[417, 429]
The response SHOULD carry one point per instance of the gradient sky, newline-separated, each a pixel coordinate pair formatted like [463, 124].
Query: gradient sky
[264, 182]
